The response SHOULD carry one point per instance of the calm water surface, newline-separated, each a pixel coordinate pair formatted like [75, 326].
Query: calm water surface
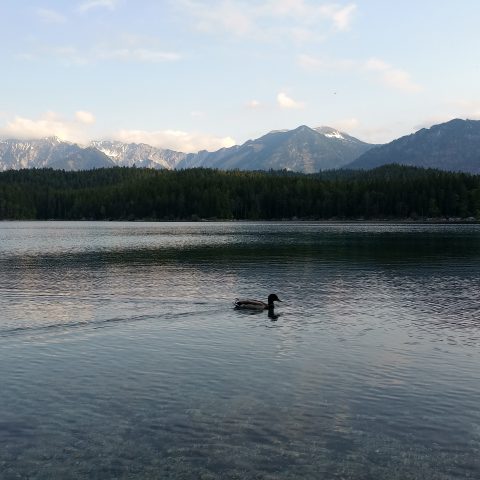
[121, 355]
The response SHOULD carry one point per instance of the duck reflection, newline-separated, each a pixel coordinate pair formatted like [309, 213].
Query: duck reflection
[272, 315]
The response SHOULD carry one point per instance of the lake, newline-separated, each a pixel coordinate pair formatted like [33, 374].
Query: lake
[121, 355]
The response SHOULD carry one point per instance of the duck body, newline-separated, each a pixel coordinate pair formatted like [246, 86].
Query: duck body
[249, 304]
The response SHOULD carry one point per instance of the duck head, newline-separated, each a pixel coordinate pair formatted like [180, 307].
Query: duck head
[272, 298]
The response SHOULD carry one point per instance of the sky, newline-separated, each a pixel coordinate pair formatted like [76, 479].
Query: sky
[191, 75]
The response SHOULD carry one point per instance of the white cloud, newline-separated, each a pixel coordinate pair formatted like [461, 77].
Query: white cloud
[433, 120]
[144, 55]
[253, 104]
[309, 12]
[73, 56]
[378, 135]
[343, 18]
[393, 77]
[78, 130]
[464, 109]
[297, 20]
[93, 4]
[347, 125]
[377, 65]
[401, 80]
[175, 140]
[309, 62]
[50, 124]
[284, 101]
[228, 15]
[354, 127]
[85, 117]
[390, 76]
[301, 35]
[373, 134]
[51, 16]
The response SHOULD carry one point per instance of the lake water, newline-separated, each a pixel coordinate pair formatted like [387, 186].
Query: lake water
[121, 355]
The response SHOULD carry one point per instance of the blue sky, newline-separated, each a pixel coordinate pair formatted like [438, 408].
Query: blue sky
[191, 74]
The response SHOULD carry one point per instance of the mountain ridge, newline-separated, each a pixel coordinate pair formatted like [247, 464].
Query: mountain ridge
[302, 149]
[451, 146]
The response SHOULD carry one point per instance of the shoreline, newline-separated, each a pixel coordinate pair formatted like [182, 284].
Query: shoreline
[433, 221]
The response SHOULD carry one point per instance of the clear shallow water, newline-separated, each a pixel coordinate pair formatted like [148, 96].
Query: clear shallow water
[121, 356]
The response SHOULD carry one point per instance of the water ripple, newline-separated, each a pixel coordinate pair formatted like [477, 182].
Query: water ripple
[121, 355]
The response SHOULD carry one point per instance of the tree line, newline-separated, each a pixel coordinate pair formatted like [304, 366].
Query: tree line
[388, 192]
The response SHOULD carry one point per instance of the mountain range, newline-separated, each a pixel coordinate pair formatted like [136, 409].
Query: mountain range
[52, 153]
[302, 150]
[453, 145]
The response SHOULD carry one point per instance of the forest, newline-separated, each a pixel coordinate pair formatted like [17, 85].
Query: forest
[121, 193]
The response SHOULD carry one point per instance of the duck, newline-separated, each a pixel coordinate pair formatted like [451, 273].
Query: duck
[248, 304]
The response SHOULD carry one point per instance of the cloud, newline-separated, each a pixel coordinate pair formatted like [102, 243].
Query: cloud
[175, 140]
[343, 18]
[93, 4]
[347, 124]
[78, 130]
[143, 55]
[377, 65]
[85, 117]
[309, 13]
[230, 16]
[378, 134]
[465, 109]
[69, 55]
[393, 77]
[51, 16]
[269, 20]
[433, 120]
[50, 124]
[390, 76]
[373, 134]
[309, 62]
[253, 104]
[284, 101]
[353, 126]
[132, 54]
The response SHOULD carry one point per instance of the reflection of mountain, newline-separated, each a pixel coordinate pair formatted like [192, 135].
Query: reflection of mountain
[240, 243]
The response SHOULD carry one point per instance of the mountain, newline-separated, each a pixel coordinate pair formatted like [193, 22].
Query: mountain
[78, 158]
[454, 146]
[139, 154]
[55, 153]
[50, 152]
[303, 150]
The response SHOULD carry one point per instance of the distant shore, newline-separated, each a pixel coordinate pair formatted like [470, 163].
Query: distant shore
[428, 221]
